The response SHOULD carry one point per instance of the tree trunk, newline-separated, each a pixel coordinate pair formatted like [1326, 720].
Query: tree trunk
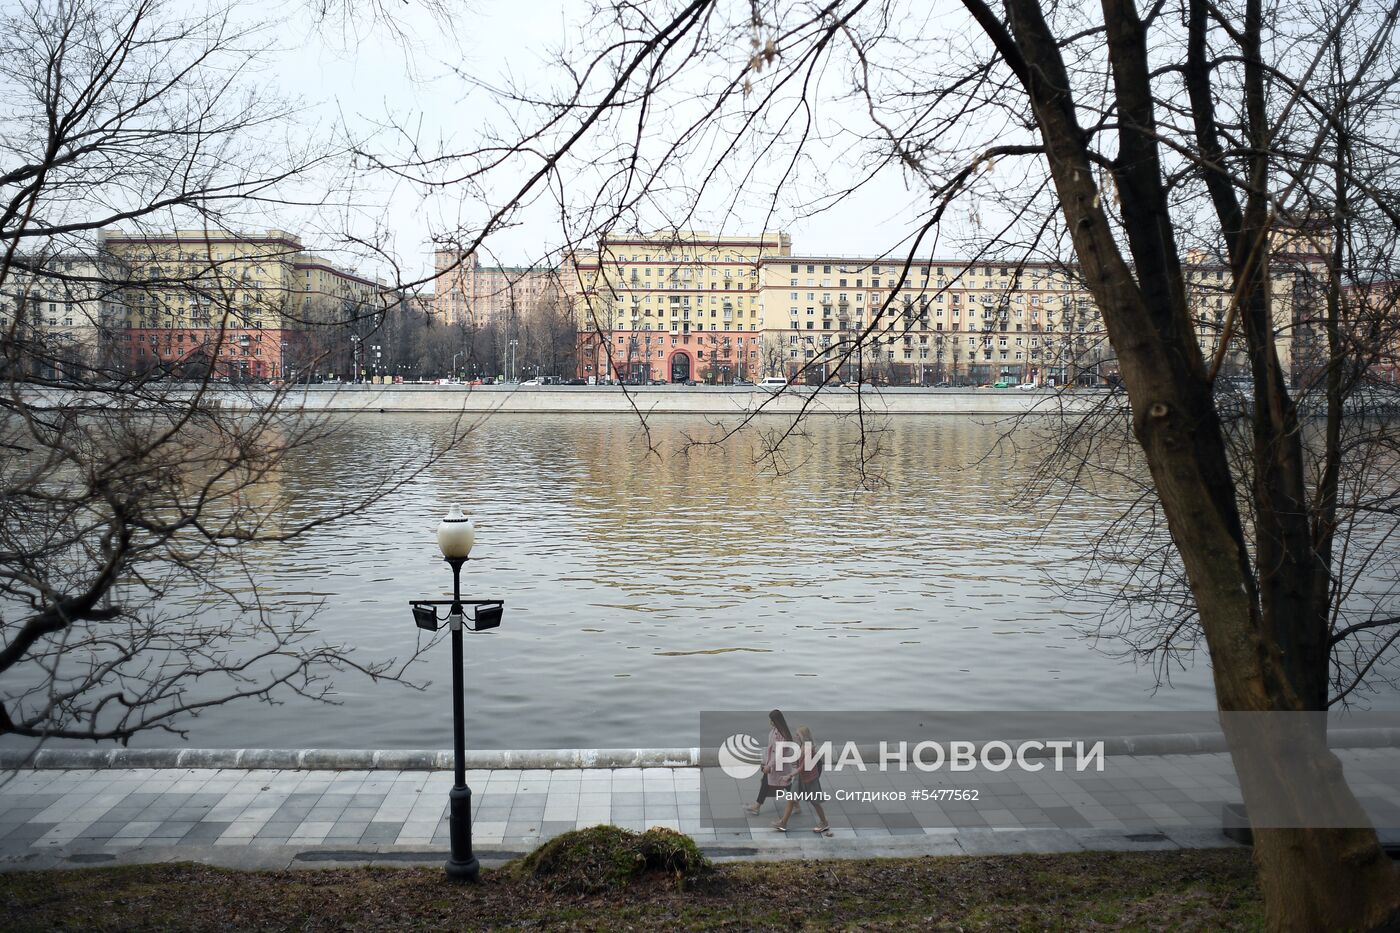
[1337, 878]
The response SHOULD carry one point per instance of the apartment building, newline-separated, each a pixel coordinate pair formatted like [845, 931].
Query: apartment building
[932, 321]
[239, 305]
[926, 322]
[338, 310]
[466, 291]
[61, 310]
[672, 306]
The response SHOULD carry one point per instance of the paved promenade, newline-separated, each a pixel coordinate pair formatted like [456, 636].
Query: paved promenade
[316, 816]
[276, 818]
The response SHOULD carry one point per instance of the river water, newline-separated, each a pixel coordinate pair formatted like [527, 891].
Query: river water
[646, 581]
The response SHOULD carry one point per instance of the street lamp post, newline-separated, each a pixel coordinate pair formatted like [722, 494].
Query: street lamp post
[456, 535]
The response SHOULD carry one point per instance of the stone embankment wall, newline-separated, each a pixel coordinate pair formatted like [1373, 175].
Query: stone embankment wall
[1186, 743]
[698, 400]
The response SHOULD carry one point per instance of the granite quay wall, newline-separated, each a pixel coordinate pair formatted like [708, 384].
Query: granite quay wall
[698, 400]
[553, 759]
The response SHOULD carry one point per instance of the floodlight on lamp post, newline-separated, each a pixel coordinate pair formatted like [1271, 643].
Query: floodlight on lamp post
[456, 535]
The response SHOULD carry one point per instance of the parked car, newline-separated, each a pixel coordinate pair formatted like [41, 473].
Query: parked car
[1028, 387]
[742, 382]
[577, 381]
[530, 382]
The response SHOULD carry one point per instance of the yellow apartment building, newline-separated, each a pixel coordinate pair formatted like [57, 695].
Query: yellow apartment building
[679, 306]
[672, 306]
[928, 322]
[922, 322]
[239, 305]
[339, 311]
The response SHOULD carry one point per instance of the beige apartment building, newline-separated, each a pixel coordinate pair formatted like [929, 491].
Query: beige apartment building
[62, 310]
[935, 321]
[467, 291]
[239, 305]
[339, 312]
[681, 306]
[928, 322]
[672, 306]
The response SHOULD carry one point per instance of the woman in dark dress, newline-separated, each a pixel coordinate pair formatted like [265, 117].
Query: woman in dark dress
[775, 774]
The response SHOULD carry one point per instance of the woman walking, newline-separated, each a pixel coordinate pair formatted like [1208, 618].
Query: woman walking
[776, 774]
[809, 785]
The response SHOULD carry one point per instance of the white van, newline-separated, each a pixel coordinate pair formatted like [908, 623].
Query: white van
[774, 382]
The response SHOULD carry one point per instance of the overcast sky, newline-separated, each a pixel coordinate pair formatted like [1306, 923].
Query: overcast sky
[367, 77]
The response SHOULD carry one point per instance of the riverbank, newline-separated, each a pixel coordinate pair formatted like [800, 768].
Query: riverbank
[1188, 890]
[547, 759]
[713, 401]
[717, 401]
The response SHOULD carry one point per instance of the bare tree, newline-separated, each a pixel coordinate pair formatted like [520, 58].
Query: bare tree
[1133, 135]
[552, 349]
[133, 507]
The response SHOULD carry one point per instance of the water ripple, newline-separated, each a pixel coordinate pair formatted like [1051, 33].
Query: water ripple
[641, 589]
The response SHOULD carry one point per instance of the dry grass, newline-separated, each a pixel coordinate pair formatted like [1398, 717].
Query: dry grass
[1189, 890]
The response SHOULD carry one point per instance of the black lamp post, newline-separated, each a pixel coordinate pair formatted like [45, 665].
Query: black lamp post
[456, 534]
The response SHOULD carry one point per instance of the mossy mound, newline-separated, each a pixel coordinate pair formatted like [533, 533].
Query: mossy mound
[606, 858]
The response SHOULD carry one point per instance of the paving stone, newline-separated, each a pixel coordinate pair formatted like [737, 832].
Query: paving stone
[27, 832]
[381, 832]
[279, 829]
[173, 829]
[361, 800]
[552, 828]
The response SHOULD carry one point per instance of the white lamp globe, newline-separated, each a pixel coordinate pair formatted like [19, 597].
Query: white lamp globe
[456, 535]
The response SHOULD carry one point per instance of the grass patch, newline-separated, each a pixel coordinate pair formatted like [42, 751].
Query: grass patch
[1186, 890]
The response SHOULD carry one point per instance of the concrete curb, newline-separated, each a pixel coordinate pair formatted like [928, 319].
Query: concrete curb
[329, 759]
[324, 857]
[318, 759]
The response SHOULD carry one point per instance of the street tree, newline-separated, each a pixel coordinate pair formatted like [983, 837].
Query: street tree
[139, 490]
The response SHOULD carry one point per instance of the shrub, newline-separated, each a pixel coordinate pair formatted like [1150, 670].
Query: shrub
[666, 850]
[604, 858]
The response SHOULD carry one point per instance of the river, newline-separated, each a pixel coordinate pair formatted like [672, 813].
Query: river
[645, 582]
